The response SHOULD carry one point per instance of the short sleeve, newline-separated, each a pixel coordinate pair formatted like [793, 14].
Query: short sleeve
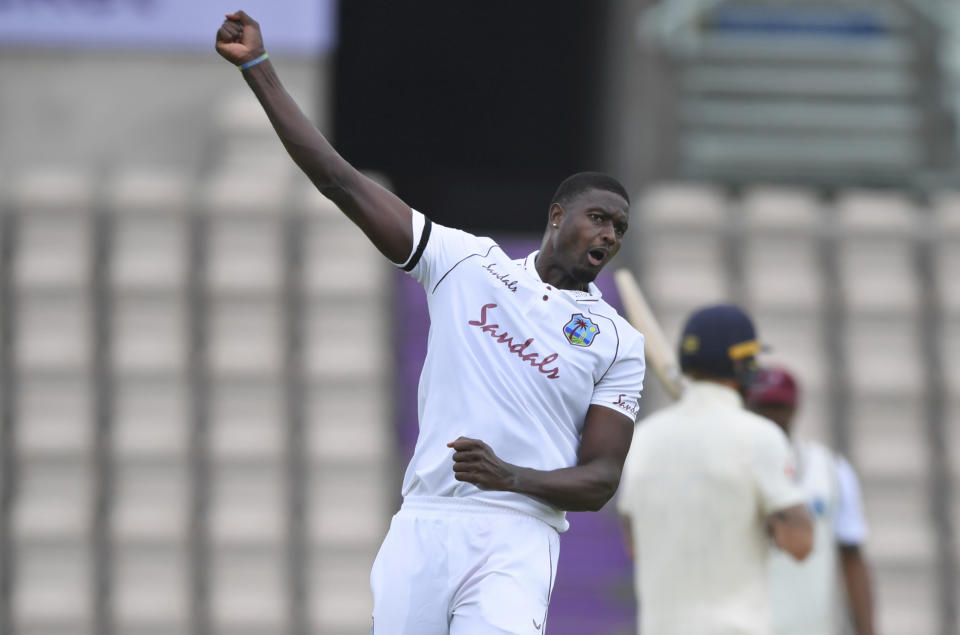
[851, 525]
[621, 385]
[420, 227]
[773, 467]
[437, 249]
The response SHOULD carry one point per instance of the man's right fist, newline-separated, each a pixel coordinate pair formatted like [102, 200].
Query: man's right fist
[239, 39]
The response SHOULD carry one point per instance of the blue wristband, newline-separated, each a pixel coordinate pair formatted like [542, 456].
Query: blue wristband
[253, 62]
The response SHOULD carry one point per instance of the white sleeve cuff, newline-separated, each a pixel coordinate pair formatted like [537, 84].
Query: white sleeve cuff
[418, 221]
[851, 526]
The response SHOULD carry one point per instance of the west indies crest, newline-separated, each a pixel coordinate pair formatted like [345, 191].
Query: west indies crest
[580, 330]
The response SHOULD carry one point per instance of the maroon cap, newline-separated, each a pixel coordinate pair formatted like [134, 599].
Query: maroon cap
[773, 385]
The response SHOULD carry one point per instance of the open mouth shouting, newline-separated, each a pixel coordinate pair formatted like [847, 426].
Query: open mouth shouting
[597, 256]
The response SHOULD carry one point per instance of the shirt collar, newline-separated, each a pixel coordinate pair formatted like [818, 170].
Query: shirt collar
[592, 292]
[712, 394]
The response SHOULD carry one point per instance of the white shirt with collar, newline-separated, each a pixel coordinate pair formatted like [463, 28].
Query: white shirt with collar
[701, 478]
[511, 361]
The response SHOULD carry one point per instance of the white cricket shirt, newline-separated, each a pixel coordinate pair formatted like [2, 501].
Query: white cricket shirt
[511, 361]
[701, 478]
[804, 594]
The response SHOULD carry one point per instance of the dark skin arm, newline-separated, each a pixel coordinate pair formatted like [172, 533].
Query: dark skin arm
[587, 486]
[859, 593]
[383, 217]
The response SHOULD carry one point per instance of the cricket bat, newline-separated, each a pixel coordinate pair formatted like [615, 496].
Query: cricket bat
[659, 353]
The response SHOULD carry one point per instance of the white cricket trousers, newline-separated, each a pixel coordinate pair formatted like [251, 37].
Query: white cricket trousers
[458, 567]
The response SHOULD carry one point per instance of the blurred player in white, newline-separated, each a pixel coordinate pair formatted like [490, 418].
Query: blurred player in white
[804, 594]
[528, 397]
[706, 487]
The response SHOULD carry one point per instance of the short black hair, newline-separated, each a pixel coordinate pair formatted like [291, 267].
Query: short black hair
[580, 182]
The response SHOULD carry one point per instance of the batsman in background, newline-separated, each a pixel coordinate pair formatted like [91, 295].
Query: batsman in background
[528, 396]
[804, 594]
[706, 487]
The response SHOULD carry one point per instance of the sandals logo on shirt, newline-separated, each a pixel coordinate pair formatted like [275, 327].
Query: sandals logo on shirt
[580, 330]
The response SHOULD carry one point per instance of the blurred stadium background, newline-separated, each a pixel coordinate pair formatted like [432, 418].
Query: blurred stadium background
[207, 375]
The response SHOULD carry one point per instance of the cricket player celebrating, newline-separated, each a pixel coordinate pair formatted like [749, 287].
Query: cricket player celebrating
[528, 396]
[803, 594]
[706, 487]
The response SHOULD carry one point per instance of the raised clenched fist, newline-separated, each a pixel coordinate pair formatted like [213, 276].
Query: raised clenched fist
[239, 39]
